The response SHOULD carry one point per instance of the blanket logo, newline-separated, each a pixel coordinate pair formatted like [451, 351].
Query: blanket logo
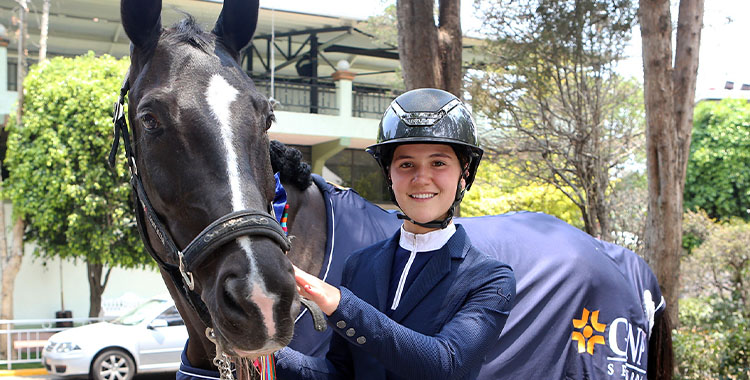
[586, 337]
[627, 343]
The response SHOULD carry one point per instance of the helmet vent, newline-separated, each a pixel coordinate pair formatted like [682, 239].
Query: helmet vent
[423, 118]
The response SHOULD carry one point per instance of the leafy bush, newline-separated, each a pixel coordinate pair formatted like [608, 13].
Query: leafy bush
[698, 342]
[713, 340]
[497, 191]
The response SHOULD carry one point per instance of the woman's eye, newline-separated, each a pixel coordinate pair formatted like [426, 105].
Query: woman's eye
[149, 122]
[405, 165]
[438, 163]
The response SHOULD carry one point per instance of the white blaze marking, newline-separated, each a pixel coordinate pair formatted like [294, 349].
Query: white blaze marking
[220, 95]
[265, 304]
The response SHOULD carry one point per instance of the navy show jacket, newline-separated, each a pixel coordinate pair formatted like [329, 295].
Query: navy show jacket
[447, 319]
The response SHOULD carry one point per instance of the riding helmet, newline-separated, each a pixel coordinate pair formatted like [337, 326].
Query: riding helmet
[428, 116]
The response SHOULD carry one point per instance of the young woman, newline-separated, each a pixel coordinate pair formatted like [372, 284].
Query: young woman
[424, 303]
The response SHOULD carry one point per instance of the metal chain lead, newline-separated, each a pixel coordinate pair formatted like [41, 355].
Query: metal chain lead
[222, 360]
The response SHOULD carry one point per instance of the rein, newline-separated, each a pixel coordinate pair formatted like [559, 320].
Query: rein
[218, 233]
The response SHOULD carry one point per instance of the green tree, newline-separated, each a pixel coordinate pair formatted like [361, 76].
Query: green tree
[75, 206]
[562, 116]
[718, 178]
[496, 191]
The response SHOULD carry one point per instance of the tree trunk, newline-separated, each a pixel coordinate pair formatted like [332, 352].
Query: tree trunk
[430, 55]
[11, 261]
[669, 94]
[45, 29]
[450, 45]
[96, 287]
[11, 266]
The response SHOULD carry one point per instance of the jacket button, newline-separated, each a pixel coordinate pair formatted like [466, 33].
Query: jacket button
[350, 332]
[341, 324]
[361, 340]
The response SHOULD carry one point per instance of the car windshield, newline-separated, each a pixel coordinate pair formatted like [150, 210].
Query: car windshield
[145, 310]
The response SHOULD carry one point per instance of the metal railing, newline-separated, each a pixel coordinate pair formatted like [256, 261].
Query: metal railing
[24, 339]
[294, 94]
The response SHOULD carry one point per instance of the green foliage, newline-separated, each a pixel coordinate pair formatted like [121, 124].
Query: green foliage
[59, 180]
[714, 337]
[718, 179]
[698, 342]
[712, 341]
[561, 114]
[496, 191]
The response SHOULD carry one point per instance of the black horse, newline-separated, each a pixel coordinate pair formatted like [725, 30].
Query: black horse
[203, 181]
[201, 164]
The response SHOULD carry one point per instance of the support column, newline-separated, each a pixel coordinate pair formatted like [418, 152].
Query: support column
[314, 104]
[323, 151]
[344, 96]
[5, 102]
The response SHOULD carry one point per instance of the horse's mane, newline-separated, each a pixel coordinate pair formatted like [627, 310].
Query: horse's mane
[287, 161]
[187, 31]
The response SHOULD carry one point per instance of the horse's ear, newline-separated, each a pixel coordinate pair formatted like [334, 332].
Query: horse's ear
[237, 22]
[141, 20]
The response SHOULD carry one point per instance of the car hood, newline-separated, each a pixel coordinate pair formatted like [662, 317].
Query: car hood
[97, 332]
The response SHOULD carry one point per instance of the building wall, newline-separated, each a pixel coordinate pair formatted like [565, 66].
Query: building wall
[7, 98]
[39, 283]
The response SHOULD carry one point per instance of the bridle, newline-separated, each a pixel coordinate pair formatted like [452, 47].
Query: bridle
[218, 233]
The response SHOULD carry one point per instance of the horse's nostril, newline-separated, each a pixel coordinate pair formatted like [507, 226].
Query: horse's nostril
[229, 300]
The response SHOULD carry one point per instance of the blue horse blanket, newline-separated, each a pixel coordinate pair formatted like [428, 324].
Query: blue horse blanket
[584, 307]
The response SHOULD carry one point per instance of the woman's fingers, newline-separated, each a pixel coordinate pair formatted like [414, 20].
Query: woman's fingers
[326, 296]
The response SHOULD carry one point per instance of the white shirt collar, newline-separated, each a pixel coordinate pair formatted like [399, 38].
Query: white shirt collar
[426, 242]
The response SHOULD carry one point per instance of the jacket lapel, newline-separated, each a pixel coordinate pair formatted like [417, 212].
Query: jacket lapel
[382, 263]
[437, 267]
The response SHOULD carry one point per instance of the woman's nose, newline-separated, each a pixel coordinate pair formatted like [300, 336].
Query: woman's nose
[421, 175]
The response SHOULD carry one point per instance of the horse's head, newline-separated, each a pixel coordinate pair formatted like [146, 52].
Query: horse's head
[199, 138]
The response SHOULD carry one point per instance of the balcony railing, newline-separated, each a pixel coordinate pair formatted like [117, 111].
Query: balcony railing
[294, 94]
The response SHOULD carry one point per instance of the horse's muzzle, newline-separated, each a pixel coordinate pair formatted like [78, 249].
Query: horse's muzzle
[252, 299]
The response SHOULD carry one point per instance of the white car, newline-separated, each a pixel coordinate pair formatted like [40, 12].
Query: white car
[150, 338]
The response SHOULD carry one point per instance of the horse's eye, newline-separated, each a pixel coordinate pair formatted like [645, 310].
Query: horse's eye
[269, 121]
[149, 122]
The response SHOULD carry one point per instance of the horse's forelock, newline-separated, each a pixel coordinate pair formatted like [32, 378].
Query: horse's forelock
[187, 31]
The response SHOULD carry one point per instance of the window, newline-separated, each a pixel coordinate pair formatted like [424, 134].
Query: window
[12, 76]
[172, 316]
[358, 170]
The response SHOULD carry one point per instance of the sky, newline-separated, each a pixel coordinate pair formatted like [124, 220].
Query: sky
[723, 52]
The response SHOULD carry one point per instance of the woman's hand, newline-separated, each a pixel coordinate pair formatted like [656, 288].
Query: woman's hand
[326, 296]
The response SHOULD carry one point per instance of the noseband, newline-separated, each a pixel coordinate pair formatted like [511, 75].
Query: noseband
[218, 233]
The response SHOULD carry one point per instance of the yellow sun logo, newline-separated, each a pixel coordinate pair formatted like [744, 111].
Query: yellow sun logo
[588, 331]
